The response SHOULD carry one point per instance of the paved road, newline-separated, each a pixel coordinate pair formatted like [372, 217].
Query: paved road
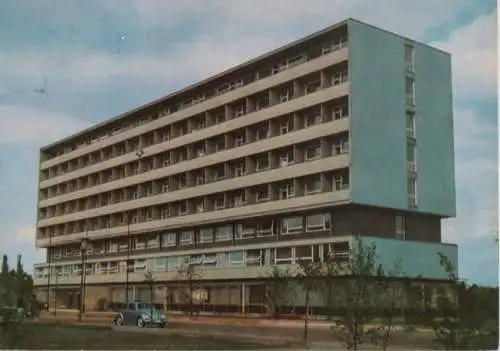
[267, 331]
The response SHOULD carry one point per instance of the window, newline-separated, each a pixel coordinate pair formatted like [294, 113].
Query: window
[153, 242]
[210, 259]
[200, 206]
[140, 244]
[112, 247]
[341, 182]
[239, 110]
[168, 240]
[186, 238]
[410, 124]
[339, 78]
[239, 140]
[410, 90]
[286, 94]
[200, 150]
[409, 58]
[223, 233]
[287, 190]
[140, 266]
[312, 87]
[262, 132]
[236, 258]
[313, 119]
[196, 260]
[313, 184]
[245, 231]
[183, 208]
[341, 146]
[412, 191]
[206, 236]
[283, 255]
[400, 226]
[262, 193]
[161, 264]
[317, 222]
[411, 156]
[262, 163]
[254, 257]
[174, 263]
[292, 225]
[261, 103]
[240, 199]
[219, 203]
[303, 254]
[340, 112]
[164, 212]
[239, 169]
[265, 228]
[313, 151]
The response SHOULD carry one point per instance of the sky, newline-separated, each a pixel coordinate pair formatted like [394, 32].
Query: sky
[65, 65]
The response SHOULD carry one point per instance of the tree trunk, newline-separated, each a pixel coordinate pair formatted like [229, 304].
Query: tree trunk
[306, 319]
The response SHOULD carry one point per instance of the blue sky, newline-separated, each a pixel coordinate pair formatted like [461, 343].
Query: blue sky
[103, 57]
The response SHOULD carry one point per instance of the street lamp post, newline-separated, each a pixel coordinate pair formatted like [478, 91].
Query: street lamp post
[49, 259]
[139, 153]
[83, 248]
[128, 260]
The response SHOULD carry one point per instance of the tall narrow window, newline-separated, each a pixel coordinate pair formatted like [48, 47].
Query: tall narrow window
[410, 90]
[410, 124]
[412, 191]
[400, 227]
[411, 157]
[409, 58]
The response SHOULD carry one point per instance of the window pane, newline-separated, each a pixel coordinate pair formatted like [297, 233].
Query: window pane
[293, 222]
[315, 220]
[236, 256]
[410, 152]
[284, 252]
[303, 251]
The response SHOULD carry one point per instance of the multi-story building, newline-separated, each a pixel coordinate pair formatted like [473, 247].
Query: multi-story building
[346, 132]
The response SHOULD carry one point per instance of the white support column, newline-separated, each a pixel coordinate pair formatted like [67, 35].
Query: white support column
[243, 298]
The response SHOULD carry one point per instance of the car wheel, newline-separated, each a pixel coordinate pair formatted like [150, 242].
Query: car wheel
[140, 322]
[119, 321]
[163, 325]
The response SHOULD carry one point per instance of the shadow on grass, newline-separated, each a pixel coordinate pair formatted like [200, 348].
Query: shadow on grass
[64, 337]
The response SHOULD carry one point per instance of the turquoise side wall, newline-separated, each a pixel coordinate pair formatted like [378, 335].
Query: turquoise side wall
[416, 258]
[378, 124]
[434, 132]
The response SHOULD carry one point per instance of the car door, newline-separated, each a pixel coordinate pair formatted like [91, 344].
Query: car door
[129, 314]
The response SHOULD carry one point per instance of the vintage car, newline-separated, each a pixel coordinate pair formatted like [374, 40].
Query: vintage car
[141, 314]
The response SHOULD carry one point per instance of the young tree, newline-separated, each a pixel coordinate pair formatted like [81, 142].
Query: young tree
[279, 285]
[389, 292]
[189, 273]
[359, 285]
[309, 276]
[150, 281]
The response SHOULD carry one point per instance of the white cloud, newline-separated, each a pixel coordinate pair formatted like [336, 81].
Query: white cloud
[407, 17]
[474, 57]
[476, 179]
[26, 233]
[23, 124]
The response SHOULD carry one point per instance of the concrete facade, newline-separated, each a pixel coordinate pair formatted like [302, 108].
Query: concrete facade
[283, 158]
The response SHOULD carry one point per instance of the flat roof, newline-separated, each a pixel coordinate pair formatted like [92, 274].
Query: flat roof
[217, 76]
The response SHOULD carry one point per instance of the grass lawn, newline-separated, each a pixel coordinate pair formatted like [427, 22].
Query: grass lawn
[50, 336]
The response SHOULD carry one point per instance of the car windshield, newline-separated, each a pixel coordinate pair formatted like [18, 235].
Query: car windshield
[143, 306]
